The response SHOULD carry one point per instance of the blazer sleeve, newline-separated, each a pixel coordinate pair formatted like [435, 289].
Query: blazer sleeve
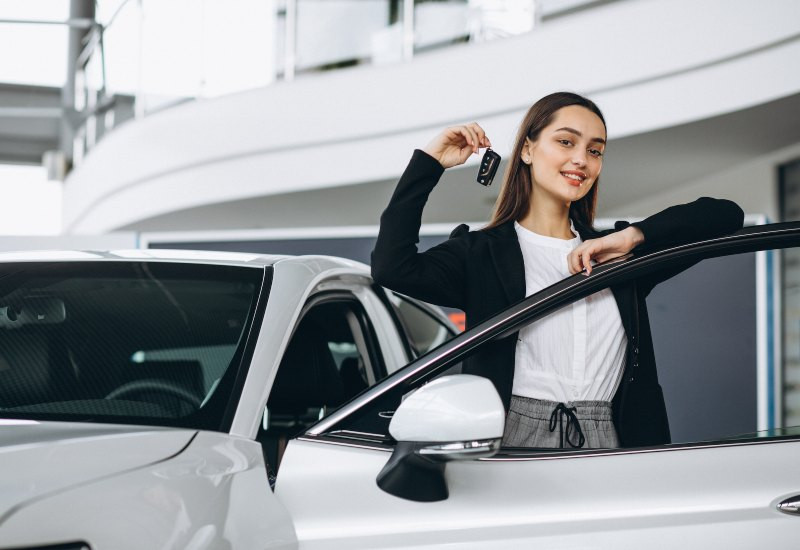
[705, 218]
[436, 275]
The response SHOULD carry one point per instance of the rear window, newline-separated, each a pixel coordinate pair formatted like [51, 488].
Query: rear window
[123, 342]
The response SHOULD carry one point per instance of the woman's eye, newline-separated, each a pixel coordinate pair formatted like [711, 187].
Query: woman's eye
[565, 142]
[596, 152]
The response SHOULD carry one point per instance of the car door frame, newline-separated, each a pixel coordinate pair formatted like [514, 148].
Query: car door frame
[531, 308]
[285, 311]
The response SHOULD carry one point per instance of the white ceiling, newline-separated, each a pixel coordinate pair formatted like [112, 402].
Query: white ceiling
[635, 167]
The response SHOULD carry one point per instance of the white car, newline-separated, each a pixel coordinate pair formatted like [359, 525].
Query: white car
[133, 388]
[148, 397]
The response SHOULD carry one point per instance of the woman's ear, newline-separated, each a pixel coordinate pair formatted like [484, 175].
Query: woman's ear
[526, 154]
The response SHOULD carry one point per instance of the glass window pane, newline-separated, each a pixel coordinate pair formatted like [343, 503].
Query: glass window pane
[704, 324]
[122, 342]
[331, 32]
[424, 332]
[712, 372]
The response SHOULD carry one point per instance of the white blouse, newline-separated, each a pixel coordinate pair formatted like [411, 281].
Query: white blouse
[576, 353]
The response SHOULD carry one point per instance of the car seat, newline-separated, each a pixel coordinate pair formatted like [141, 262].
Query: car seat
[306, 386]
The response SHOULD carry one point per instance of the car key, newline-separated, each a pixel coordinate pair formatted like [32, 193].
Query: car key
[489, 165]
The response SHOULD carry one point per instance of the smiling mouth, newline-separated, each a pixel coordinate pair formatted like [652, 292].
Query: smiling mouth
[574, 178]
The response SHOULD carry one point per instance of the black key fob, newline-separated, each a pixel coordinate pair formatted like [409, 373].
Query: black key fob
[489, 165]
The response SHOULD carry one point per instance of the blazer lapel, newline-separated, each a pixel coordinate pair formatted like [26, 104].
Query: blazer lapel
[507, 259]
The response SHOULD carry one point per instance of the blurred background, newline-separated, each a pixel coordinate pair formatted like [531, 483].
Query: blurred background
[196, 115]
[282, 125]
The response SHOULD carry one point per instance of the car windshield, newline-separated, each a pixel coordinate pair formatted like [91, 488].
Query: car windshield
[124, 342]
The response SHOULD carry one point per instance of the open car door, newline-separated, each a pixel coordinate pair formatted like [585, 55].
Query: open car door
[413, 463]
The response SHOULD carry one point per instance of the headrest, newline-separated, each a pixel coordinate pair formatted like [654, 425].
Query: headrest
[307, 376]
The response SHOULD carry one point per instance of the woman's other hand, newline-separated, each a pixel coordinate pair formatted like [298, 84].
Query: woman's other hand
[455, 144]
[603, 249]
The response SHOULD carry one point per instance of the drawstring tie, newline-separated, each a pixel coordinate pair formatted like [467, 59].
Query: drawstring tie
[557, 417]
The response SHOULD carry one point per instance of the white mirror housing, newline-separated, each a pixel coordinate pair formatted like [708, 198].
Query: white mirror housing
[459, 407]
[459, 417]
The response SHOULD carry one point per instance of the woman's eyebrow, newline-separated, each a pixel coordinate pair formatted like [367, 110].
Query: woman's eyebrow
[577, 133]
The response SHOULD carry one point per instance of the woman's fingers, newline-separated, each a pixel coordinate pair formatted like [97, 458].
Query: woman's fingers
[475, 139]
[581, 258]
[455, 144]
[597, 250]
[473, 134]
[586, 260]
[574, 261]
[461, 137]
[482, 138]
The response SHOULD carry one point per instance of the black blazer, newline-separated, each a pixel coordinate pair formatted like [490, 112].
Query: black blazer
[482, 272]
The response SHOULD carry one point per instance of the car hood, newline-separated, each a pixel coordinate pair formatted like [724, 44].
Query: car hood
[41, 458]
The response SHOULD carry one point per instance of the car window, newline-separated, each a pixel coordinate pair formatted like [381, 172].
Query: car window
[119, 342]
[705, 325]
[716, 328]
[423, 331]
[331, 357]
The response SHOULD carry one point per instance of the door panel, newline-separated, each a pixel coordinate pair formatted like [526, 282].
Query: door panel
[721, 497]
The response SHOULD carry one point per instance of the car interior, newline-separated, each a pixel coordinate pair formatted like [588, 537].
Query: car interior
[116, 348]
[324, 366]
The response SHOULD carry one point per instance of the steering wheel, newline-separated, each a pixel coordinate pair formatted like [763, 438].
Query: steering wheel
[154, 385]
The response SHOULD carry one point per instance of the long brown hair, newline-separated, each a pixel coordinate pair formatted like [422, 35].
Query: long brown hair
[514, 200]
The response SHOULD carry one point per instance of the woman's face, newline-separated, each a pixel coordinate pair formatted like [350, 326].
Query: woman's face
[566, 159]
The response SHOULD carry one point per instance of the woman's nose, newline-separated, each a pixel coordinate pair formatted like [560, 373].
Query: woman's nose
[579, 160]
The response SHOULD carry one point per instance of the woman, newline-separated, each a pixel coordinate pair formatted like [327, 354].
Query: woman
[586, 375]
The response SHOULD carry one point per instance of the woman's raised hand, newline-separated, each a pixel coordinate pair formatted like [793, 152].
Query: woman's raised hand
[603, 249]
[455, 144]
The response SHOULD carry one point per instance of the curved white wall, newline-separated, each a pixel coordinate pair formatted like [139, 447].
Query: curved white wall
[649, 64]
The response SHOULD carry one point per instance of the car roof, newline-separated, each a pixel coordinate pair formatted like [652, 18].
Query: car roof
[316, 263]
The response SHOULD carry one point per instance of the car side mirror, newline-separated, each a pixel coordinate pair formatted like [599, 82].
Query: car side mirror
[458, 417]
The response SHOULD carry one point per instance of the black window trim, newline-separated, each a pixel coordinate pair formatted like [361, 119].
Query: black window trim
[245, 360]
[750, 239]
